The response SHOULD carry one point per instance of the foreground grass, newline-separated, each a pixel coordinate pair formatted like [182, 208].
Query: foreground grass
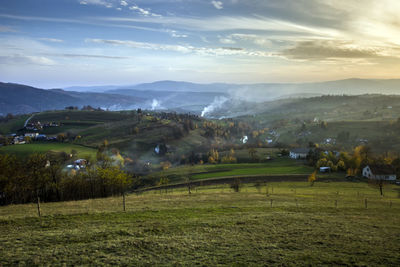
[212, 226]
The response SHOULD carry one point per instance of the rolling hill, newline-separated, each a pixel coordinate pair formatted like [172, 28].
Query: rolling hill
[22, 99]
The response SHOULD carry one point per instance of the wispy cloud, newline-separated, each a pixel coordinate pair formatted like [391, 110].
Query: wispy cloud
[53, 40]
[254, 38]
[143, 11]
[217, 4]
[6, 29]
[334, 49]
[17, 59]
[204, 51]
[96, 2]
[175, 34]
[83, 21]
[85, 56]
[227, 23]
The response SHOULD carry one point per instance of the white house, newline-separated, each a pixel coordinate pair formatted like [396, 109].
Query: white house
[32, 135]
[379, 172]
[299, 153]
[324, 169]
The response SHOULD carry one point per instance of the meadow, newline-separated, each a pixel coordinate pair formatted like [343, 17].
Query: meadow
[43, 147]
[294, 224]
[271, 167]
[13, 125]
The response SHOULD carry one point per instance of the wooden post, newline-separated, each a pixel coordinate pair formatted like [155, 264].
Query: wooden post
[366, 203]
[272, 190]
[38, 206]
[123, 200]
[297, 204]
[271, 200]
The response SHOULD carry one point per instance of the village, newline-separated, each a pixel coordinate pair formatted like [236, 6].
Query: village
[31, 132]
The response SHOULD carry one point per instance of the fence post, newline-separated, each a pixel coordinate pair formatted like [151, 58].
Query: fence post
[366, 203]
[123, 200]
[271, 200]
[297, 204]
[38, 206]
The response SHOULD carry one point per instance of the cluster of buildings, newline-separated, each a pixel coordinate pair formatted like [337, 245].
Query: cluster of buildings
[375, 172]
[24, 138]
[77, 165]
[38, 126]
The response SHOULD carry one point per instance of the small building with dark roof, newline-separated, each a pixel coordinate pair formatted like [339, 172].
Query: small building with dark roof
[379, 172]
[299, 153]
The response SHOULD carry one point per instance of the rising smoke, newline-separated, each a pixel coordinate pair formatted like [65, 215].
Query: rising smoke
[155, 104]
[216, 104]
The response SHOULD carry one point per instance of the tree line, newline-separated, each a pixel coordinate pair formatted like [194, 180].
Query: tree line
[43, 176]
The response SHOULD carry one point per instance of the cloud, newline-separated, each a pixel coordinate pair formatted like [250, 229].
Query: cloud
[228, 23]
[227, 41]
[86, 56]
[175, 34]
[96, 2]
[143, 12]
[91, 21]
[203, 51]
[53, 40]
[217, 4]
[330, 50]
[256, 39]
[17, 59]
[124, 3]
[6, 29]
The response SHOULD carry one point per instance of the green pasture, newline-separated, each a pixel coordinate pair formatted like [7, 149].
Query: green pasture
[274, 166]
[13, 125]
[328, 224]
[43, 147]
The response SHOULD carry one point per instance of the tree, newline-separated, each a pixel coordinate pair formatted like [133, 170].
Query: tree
[253, 154]
[61, 137]
[312, 178]
[230, 158]
[37, 176]
[165, 165]
[213, 156]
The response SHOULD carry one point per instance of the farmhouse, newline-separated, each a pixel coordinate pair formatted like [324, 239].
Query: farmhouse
[299, 153]
[32, 135]
[379, 172]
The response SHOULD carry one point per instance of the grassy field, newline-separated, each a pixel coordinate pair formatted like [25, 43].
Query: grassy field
[13, 125]
[212, 226]
[275, 166]
[24, 150]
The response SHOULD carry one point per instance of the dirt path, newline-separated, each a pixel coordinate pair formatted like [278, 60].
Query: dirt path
[27, 121]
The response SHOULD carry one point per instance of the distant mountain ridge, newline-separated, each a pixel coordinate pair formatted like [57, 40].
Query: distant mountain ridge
[178, 96]
[266, 91]
[18, 99]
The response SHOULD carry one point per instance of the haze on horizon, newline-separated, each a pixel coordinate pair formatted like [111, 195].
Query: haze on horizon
[93, 42]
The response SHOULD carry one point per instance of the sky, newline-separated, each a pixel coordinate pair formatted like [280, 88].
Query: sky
[59, 43]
